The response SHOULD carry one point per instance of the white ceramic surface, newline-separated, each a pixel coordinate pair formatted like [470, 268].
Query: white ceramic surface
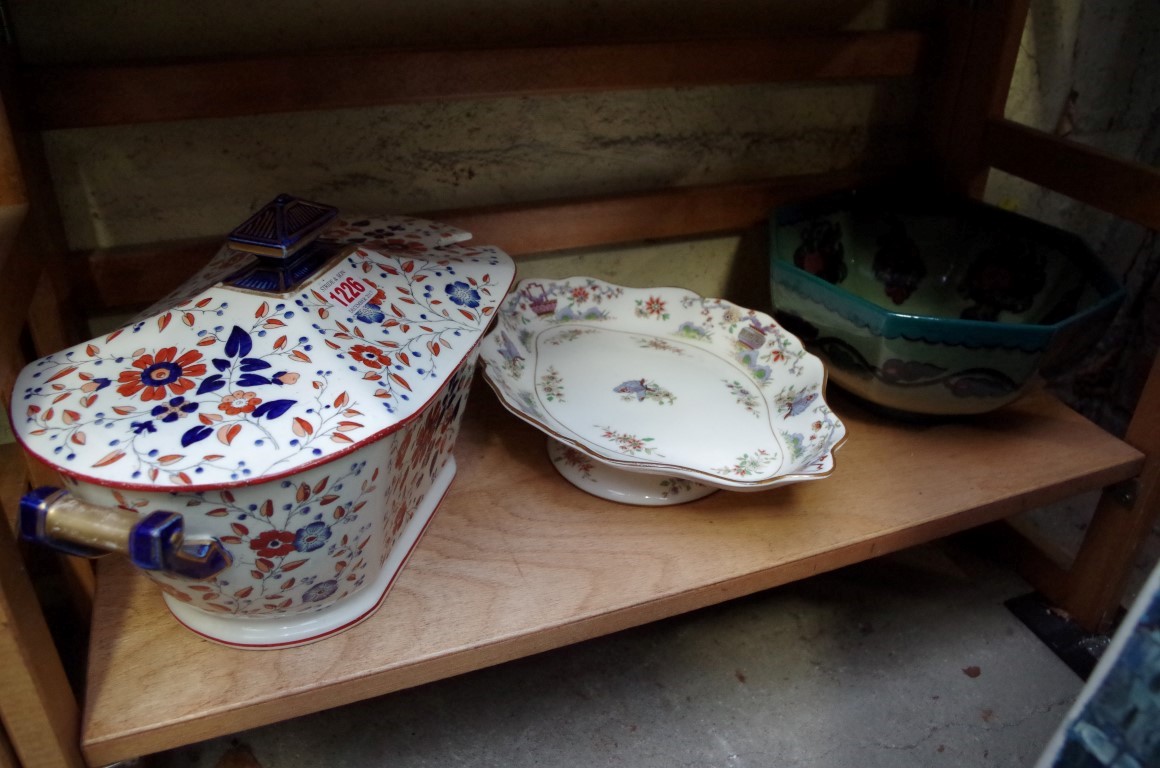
[279, 631]
[229, 385]
[307, 429]
[662, 381]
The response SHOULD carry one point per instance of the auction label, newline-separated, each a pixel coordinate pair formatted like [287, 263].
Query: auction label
[346, 290]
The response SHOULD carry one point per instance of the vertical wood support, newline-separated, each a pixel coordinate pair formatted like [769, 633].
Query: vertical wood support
[1093, 586]
[38, 708]
[7, 756]
[980, 46]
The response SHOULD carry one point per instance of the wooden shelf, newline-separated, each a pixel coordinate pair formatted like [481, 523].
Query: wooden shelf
[517, 562]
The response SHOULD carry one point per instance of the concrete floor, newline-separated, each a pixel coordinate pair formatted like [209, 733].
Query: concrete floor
[909, 660]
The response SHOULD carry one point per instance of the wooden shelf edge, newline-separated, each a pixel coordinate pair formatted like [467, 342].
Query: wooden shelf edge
[121, 747]
[469, 623]
[99, 95]
[135, 276]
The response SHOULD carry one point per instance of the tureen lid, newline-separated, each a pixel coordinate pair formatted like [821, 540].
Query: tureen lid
[307, 336]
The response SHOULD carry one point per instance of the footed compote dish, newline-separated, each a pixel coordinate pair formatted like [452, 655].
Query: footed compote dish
[657, 395]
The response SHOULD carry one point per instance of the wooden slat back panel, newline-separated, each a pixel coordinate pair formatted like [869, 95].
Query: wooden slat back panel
[1124, 188]
[71, 97]
[137, 275]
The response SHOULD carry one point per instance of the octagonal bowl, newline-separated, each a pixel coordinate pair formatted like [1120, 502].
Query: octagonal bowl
[933, 306]
[657, 395]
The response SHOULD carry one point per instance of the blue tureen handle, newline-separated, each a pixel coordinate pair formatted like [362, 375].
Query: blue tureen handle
[155, 542]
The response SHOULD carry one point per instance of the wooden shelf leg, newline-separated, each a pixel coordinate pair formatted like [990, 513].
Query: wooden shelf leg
[37, 706]
[1092, 588]
[7, 756]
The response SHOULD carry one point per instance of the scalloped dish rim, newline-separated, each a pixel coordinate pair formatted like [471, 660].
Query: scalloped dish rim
[529, 302]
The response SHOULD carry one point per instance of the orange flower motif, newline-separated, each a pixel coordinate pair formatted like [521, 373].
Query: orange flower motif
[273, 543]
[239, 402]
[157, 373]
[371, 357]
[175, 592]
[399, 245]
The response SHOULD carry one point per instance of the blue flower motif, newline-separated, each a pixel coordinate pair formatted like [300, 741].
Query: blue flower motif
[462, 294]
[139, 427]
[370, 313]
[320, 591]
[173, 410]
[311, 537]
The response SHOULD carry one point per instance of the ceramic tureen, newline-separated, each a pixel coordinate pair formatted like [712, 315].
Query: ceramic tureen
[270, 442]
[659, 396]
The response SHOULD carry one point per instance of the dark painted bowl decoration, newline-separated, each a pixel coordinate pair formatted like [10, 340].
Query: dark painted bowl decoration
[930, 305]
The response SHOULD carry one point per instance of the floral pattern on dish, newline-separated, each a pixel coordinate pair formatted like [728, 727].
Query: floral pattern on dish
[552, 386]
[749, 463]
[745, 398]
[581, 464]
[733, 378]
[629, 445]
[639, 390]
[654, 343]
